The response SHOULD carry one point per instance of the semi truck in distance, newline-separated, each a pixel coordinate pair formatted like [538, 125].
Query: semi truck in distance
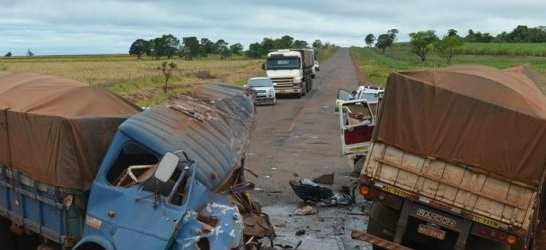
[291, 70]
[457, 161]
[82, 168]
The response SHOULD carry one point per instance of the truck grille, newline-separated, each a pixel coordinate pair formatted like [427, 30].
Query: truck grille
[260, 91]
[282, 80]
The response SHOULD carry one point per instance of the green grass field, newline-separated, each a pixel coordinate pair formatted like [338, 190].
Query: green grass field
[378, 66]
[507, 49]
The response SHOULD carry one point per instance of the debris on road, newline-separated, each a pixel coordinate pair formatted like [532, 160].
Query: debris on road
[300, 232]
[306, 210]
[327, 179]
[312, 192]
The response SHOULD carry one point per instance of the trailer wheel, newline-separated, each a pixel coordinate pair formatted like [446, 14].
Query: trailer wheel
[28, 242]
[382, 222]
[7, 239]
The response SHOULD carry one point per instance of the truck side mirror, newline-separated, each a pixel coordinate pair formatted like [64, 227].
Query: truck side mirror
[263, 66]
[166, 167]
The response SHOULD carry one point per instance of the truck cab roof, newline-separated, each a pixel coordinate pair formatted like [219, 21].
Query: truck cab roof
[212, 126]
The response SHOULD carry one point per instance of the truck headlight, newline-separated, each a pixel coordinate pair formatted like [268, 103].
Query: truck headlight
[297, 79]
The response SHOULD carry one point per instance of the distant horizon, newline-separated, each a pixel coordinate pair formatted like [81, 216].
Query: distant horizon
[63, 27]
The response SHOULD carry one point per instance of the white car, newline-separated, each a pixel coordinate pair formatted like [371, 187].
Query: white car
[316, 65]
[265, 91]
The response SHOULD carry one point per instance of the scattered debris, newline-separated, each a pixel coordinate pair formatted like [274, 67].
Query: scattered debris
[306, 210]
[312, 192]
[300, 232]
[296, 175]
[298, 245]
[327, 179]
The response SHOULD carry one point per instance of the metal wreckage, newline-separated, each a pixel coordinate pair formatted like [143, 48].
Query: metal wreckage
[82, 168]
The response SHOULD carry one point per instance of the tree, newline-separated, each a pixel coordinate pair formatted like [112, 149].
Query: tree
[267, 44]
[370, 39]
[166, 45]
[167, 69]
[392, 34]
[219, 46]
[171, 45]
[478, 37]
[225, 52]
[421, 42]
[447, 47]
[452, 32]
[300, 44]
[29, 53]
[383, 41]
[317, 44]
[284, 42]
[206, 47]
[139, 48]
[190, 48]
[255, 50]
[236, 49]
[9, 54]
[386, 40]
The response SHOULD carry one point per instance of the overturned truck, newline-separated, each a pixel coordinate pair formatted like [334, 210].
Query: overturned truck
[83, 168]
[457, 161]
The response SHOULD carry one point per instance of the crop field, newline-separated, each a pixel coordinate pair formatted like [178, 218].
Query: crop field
[138, 80]
[378, 66]
[507, 49]
[141, 81]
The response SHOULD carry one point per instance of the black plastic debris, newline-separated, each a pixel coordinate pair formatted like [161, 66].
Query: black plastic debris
[312, 192]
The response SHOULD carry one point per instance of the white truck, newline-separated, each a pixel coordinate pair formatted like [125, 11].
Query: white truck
[457, 161]
[291, 70]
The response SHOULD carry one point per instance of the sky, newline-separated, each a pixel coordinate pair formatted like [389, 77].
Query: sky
[49, 27]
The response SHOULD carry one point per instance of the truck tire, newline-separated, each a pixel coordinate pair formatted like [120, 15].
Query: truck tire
[382, 222]
[7, 239]
[28, 242]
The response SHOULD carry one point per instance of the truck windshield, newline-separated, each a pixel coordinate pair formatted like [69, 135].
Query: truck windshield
[283, 63]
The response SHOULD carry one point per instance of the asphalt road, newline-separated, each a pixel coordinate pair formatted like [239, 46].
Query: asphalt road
[300, 138]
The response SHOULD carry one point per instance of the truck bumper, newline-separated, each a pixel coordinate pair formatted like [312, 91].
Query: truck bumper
[288, 91]
[376, 241]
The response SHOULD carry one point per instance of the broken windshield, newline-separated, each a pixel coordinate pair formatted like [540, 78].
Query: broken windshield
[283, 63]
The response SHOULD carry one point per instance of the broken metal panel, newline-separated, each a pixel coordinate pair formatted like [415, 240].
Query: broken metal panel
[212, 125]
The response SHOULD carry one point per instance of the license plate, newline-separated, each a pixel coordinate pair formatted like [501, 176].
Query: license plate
[431, 231]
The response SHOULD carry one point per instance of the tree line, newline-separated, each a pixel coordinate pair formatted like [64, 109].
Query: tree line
[191, 47]
[422, 42]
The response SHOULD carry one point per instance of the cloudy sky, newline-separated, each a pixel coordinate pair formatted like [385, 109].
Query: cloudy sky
[110, 26]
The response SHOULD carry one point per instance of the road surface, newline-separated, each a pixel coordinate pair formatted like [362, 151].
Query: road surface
[299, 138]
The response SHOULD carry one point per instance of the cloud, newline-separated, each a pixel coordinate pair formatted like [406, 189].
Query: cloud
[110, 26]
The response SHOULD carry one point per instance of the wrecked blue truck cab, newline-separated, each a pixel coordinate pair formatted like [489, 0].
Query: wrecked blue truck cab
[166, 215]
[172, 177]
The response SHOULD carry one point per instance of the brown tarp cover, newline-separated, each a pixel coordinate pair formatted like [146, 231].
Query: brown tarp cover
[57, 130]
[493, 120]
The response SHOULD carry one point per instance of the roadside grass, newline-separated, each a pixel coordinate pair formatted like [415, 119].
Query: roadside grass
[378, 66]
[324, 54]
[138, 80]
